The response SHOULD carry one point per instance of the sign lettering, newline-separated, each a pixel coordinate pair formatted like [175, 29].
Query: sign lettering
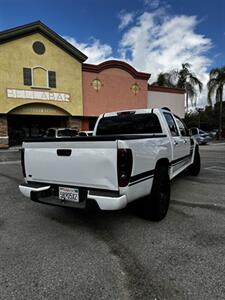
[38, 95]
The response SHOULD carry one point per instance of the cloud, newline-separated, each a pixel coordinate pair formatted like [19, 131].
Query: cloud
[155, 42]
[158, 43]
[95, 50]
[125, 19]
[152, 4]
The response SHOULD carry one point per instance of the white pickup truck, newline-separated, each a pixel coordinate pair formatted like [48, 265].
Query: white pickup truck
[131, 155]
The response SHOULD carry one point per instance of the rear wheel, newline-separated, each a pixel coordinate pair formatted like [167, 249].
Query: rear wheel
[195, 167]
[156, 205]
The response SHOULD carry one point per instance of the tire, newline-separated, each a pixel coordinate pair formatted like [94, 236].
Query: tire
[156, 205]
[195, 167]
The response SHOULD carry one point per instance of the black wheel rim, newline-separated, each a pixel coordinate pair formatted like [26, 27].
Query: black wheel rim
[164, 192]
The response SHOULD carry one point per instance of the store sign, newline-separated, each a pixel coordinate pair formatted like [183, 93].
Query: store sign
[38, 95]
[30, 110]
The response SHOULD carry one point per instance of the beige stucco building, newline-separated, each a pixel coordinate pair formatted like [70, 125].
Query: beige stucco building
[40, 75]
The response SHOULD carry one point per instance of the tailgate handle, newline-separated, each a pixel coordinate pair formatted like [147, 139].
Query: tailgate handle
[64, 152]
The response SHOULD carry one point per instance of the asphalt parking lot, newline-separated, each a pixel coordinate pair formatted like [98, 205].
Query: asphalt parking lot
[55, 253]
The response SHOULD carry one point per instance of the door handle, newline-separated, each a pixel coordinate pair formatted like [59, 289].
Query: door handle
[64, 152]
[175, 143]
[185, 141]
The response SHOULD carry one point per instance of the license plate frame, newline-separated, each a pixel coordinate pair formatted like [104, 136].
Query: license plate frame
[69, 194]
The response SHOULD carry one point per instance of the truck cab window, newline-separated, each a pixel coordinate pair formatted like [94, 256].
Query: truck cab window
[129, 124]
[171, 124]
[182, 127]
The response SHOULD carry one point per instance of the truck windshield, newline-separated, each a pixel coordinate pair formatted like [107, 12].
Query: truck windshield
[129, 124]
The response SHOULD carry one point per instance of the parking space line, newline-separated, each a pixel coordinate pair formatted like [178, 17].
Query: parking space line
[217, 144]
[213, 206]
[216, 168]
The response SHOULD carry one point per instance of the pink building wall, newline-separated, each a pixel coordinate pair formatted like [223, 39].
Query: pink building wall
[116, 92]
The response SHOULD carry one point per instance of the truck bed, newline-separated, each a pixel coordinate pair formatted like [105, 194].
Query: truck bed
[91, 164]
[95, 138]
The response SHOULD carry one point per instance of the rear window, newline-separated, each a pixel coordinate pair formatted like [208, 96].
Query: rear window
[129, 124]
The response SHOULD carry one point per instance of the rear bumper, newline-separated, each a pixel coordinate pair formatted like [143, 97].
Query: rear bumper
[109, 203]
[43, 194]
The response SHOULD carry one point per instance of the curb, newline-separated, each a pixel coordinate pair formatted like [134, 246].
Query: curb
[10, 162]
[10, 150]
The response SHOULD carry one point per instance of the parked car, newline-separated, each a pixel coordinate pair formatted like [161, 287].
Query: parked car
[60, 132]
[132, 155]
[201, 136]
[85, 133]
[213, 133]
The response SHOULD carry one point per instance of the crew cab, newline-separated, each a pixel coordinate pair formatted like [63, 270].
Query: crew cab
[132, 155]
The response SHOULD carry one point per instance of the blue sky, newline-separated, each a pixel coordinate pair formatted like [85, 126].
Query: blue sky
[152, 35]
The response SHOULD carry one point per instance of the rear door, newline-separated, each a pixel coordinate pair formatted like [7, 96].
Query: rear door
[186, 141]
[178, 145]
[90, 164]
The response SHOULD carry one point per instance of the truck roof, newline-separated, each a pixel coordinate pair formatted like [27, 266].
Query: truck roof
[135, 111]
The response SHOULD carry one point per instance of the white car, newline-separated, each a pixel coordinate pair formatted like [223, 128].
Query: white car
[60, 133]
[132, 155]
[201, 136]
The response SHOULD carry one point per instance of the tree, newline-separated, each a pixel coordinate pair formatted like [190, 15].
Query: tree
[215, 88]
[184, 79]
[164, 79]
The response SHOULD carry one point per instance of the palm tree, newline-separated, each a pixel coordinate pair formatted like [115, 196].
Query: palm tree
[188, 80]
[164, 79]
[215, 88]
[184, 79]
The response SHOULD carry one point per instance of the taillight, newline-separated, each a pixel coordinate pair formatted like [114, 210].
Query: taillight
[124, 166]
[22, 162]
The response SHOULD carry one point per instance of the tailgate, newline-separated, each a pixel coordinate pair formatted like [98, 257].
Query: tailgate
[83, 164]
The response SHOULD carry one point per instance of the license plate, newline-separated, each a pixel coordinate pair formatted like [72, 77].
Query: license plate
[69, 194]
